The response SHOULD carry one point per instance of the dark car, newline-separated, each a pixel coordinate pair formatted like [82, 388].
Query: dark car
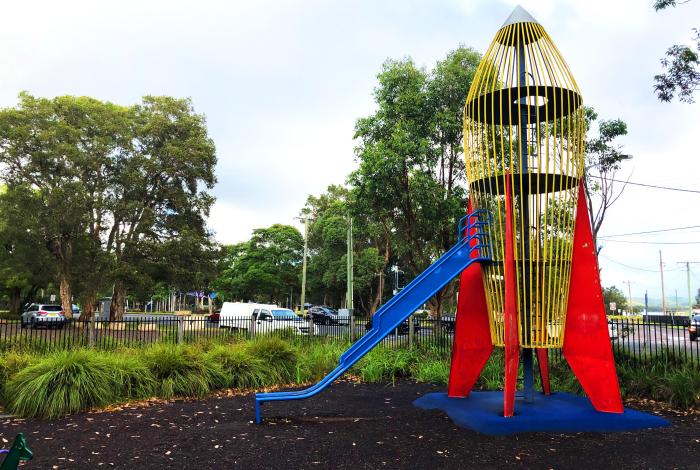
[403, 327]
[694, 328]
[447, 322]
[50, 316]
[324, 315]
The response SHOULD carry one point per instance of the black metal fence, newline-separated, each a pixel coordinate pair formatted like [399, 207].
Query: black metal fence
[637, 338]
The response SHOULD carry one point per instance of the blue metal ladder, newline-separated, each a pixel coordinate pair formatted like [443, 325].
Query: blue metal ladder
[472, 247]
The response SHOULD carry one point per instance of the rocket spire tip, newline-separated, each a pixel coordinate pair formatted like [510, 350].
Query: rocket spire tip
[519, 15]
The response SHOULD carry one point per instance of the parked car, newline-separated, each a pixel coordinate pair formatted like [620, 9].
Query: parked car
[344, 316]
[76, 311]
[50, 316]
[214, 317]
[694, 328]
[403, 327]
[324, 315]
[447, 322]
[276, 318]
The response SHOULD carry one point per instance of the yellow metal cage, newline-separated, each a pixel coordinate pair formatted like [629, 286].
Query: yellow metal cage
[524, 117]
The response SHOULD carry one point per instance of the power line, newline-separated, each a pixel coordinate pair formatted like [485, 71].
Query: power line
[650, 231]
[628, 266]
[668, 188]
[652, 243]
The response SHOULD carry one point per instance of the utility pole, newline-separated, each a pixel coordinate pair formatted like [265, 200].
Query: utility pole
[303, 271]
[687, 272]
[349, 300]
[663, 292]
[629, 295]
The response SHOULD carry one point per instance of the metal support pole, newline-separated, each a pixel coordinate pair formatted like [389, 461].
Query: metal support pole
[411, 331]
[524, 307]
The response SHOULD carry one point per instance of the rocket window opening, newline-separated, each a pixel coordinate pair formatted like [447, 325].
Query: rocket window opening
[532, 100]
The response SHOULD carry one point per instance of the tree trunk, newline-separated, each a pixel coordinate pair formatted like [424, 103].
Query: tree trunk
[89, 305]
[116, 308]
[66, 294]
[15, 301]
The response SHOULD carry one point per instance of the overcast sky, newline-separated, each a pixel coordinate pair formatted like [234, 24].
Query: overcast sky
[282, 83]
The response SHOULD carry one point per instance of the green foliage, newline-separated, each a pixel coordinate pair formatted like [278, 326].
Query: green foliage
[183, 371]
[278, 356]
[681, 65]
[387, 364]
[10, 363]
[62, 383]
[613, 294]
[131, 377]
[317, 359]
[433, 371]
[243, 370]
[263, 268]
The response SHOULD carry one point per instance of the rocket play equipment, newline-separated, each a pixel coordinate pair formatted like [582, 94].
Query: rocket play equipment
[529, 279]
[524, 131]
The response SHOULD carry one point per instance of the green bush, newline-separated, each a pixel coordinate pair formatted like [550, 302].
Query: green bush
[242, 369]
[62, 383]
[132, 378]
[10, 363]
[183, 371]
[278, 356]
[317, 358]
[388, 364]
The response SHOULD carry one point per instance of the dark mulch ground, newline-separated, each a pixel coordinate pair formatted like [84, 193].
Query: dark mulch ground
[348, 426]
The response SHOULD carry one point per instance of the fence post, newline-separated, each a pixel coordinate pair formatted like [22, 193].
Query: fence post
[180, 326]
[411, 331]
[91, 332]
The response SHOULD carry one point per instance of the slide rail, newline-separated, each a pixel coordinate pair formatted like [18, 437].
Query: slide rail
[472, 246]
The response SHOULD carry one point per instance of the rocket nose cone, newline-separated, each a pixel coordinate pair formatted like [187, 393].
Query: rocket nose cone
[519, 15]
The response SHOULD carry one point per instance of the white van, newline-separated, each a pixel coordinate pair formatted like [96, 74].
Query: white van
[276, 318]
[260, 317]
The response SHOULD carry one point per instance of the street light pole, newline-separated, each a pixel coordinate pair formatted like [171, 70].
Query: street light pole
[629, 295]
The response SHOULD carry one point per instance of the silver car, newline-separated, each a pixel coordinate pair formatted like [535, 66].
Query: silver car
[50, 316]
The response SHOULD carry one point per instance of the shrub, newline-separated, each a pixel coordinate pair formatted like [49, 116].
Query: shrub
[316, 359]
[132, 378]
[277, 355]
[242, 369]
[387, 364]
[62, 383]
[10, 363]
[183, 371]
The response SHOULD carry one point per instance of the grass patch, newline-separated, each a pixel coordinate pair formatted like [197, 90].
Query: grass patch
[242, 369]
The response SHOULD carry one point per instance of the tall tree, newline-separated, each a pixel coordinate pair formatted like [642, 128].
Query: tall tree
[604, 159]
[265, 267]
[161, 187]
[411, 169]
[54, 153]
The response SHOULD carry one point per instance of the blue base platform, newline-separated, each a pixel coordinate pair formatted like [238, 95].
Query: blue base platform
[558, 412]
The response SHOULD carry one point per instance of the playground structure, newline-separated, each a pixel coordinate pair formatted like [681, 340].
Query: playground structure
[524, 131]
[529, 273]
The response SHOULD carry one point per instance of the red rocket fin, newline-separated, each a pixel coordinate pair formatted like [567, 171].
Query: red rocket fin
[472, 343]
[587, 346]
[511, 310]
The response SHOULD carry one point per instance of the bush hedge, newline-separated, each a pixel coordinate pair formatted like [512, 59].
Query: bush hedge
[65, 382]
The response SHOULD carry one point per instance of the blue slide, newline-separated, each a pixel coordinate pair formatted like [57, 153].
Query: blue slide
[469, 249]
